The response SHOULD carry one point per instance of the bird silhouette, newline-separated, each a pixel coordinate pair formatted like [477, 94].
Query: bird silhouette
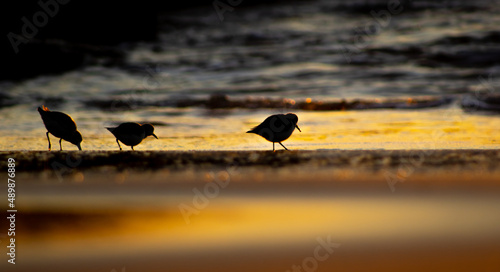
[132, 134]
[61, 126]
[277, 128]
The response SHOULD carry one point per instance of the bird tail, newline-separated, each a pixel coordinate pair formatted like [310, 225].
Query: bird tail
[110, 129]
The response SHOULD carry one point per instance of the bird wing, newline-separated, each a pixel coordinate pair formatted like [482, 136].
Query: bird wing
[129, 128]
[63, 120]
[55, 120]
[129, 133]
[265, 124]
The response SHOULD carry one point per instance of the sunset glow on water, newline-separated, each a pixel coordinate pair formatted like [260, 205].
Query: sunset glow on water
[371, 129]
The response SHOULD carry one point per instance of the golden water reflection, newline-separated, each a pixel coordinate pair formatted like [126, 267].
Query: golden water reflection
[371, 129]
[107, 226]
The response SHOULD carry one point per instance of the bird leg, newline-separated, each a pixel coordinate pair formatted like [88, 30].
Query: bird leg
[49, 140]
[132, 148]
[283, 146]
[60, 143]
[119, 144]
[273, 147]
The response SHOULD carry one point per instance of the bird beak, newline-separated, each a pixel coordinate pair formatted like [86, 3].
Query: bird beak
[154, 136]
[298, 127]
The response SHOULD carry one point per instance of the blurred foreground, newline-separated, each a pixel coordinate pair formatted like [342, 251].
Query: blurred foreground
[355, 210]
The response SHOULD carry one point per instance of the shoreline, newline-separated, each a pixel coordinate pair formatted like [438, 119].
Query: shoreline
[35, 161]
[440, 169]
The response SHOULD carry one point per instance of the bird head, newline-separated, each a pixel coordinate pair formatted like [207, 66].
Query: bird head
[294, 119]
[149, 130]
[76, 139]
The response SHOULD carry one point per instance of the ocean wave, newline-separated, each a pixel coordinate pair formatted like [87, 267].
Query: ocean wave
[221, 101]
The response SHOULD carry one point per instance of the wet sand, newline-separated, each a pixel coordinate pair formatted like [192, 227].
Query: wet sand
[433, 161]
[386, 210]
